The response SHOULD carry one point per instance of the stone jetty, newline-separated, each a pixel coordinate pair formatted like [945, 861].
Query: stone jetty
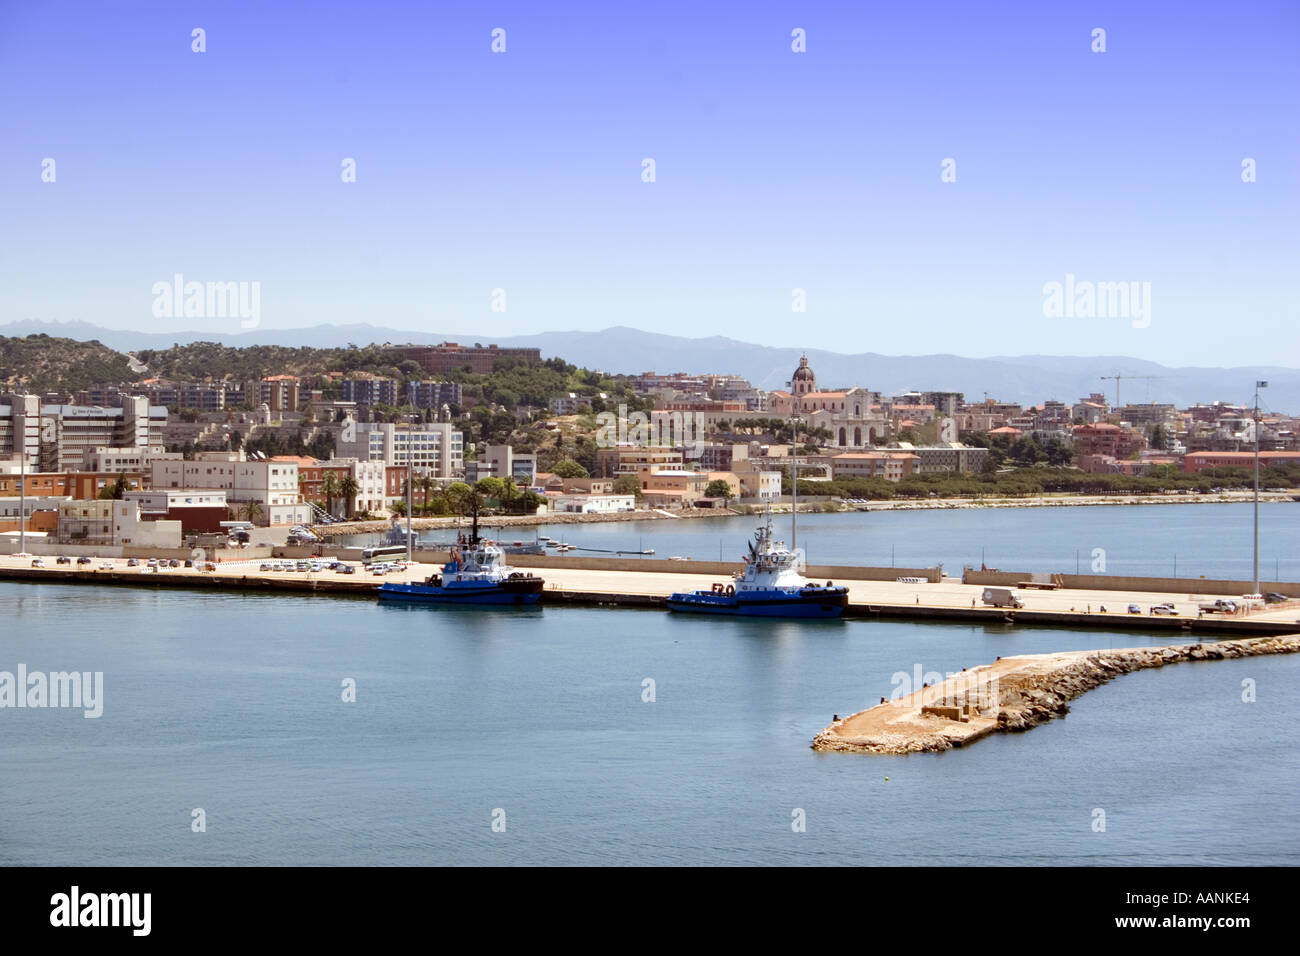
[1012, 694]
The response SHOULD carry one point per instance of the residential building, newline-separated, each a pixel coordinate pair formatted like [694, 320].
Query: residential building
[115, 460]
[757, 481]
[434, 450]
[951, 457]
[669, 488]
[433, 394]
[279, 393]
[1104, 438]
[271, 487]
[452, 357]
[892, 466]
[631, 459]
[371, 391]
[1197, 461]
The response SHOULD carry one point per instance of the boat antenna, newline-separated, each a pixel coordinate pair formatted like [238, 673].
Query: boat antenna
[410, 502]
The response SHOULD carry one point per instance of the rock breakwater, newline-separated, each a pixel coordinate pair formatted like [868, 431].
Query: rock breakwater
[1013, 694]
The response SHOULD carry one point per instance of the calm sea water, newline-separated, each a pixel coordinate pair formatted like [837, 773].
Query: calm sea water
[232, 704]
[1210, 540]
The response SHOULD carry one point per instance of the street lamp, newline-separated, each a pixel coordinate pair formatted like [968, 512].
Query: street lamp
[1258, 386]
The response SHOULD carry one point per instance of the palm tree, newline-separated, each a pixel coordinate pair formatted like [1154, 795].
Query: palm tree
[252, 510]
[331, 489]
[348, 488]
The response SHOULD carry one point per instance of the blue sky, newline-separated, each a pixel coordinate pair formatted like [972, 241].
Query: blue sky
[774, 170]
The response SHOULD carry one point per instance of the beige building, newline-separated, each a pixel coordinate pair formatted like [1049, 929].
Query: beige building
[892, 466]
[671, 488]
[634, 459]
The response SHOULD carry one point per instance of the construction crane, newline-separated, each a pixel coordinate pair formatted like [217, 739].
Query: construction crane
[1118, 377]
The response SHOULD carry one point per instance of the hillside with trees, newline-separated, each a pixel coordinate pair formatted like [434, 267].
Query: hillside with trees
[42, 363]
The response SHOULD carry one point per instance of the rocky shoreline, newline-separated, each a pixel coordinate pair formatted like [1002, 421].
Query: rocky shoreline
[1012, 695]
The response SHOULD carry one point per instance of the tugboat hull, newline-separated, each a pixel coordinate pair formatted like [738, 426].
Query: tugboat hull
[812, 602]
[522, 591]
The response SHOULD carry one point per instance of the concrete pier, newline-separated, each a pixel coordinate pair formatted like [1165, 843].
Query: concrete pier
[945, 599]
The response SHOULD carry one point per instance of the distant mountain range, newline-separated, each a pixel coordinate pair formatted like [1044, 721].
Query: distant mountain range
[1022, 378]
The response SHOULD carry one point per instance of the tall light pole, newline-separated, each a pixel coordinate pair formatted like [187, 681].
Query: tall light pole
[1258, 386]
[22, 497]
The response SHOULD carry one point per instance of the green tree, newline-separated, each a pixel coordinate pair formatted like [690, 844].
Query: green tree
[252, 511]
[568, 468]
[348, 488]
[718, 488]
[627, 485]
[490, 487]
[465, 501]
[330, 488]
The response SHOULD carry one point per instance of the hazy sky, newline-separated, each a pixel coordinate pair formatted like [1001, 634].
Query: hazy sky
[774, 170]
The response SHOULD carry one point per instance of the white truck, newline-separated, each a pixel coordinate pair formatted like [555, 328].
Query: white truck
[1001, 597]
[1220, 606]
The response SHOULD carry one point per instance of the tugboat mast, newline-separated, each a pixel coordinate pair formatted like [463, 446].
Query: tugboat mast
[794, 486]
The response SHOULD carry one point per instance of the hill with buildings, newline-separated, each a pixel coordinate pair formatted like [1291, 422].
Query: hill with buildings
[621, 350]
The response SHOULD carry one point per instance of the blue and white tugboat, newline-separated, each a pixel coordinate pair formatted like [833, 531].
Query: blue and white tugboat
[769, 586]
[476, 574]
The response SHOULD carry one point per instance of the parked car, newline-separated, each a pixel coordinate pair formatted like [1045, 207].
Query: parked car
[132, 563]
[37, 563]
[347, 569]
[63, 559]
[153, 562]
[1134, 609]
[264, 567]
[189, 563]
[173, 563]
[83, 560]
[1272, 597]
[106, 566]
[1163, 609]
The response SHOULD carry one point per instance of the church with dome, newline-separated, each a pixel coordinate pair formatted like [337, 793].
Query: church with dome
[852, 416]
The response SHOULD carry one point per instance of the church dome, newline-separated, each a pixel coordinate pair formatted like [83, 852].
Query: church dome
[803, 373]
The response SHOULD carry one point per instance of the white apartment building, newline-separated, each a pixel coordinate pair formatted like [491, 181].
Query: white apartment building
[371, 478]
[434, 450]
[116, 460]
[272, 484]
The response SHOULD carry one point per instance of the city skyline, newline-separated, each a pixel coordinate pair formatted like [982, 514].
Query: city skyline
[486, 179]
